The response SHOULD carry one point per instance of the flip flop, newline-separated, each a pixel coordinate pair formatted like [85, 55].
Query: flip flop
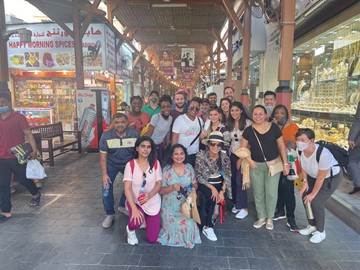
[3, 217]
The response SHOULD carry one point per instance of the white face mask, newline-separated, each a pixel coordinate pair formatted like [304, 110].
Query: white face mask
[301, 146]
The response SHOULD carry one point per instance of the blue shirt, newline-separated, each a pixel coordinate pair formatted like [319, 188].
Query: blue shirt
[119, 150]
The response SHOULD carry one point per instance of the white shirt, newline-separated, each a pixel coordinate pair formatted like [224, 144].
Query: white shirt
[326, 161]
[187, 131]
[161, 127]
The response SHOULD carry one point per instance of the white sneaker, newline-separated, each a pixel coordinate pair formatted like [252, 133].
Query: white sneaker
[242, 214]
[209, 233]
[318, 237]
[108, 221]
[123, 210]
[131, 237]
[234, 210]
[308, 230]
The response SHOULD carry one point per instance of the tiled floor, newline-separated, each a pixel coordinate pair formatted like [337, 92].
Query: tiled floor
[65, 233]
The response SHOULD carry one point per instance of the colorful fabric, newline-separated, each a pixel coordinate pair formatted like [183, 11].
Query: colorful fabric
[177, 230]
[289, 133]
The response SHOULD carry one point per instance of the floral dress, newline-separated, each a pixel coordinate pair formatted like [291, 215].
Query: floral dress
[176, 229]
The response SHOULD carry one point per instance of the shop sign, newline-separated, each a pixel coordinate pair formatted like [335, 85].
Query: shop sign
[110, 50]
[124, 62]
[51, 48]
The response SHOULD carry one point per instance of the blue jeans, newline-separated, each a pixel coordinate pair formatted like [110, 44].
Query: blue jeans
[108, 201]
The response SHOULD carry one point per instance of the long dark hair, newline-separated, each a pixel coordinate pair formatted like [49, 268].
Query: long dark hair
[279, 107]
[223, 116]
[169, 159]
[243, 117]
[153, 154]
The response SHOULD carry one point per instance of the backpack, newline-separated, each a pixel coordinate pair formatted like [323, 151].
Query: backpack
[339, 153]
[132, 165]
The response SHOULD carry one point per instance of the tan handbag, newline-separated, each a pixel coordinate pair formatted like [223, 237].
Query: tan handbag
[189, 208]
[276, 165]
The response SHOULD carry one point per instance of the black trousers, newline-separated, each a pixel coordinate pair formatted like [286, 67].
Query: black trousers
[8, 167]
[286, 197]
[206, 204]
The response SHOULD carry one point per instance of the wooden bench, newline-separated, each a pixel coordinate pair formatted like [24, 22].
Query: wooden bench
[51, 132]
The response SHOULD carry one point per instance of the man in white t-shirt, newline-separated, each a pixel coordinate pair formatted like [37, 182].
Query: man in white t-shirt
[187, 128]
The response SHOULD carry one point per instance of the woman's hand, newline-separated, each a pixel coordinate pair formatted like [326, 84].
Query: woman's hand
[286, 169]
[214, 194]
[309, 198]
[220, 196]
[238, 164]
[252, 163]
[137, 216]
[203, 134]
[144, 198]
[176, 186]
[304, 188]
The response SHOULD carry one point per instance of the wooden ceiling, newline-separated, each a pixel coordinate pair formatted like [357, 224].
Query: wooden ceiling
[156, 28]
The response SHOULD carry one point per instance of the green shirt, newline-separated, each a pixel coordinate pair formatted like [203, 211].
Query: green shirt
[147, 108]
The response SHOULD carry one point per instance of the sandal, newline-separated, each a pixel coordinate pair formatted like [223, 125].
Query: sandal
[3, 217]
[35, 201]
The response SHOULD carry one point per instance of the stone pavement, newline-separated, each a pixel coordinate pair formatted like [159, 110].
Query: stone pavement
[65, 233]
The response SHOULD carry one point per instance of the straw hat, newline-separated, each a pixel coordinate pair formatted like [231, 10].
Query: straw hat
[215, 136]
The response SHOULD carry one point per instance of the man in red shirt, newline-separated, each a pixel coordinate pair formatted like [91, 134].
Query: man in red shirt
[14, 128]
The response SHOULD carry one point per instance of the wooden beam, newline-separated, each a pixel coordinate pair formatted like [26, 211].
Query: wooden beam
[147, 2]
[66, 29]
[91, 9]
[85, 24]
[183, 29]
[232, 15]
[139, 55]
[219, 40]
[78, 48]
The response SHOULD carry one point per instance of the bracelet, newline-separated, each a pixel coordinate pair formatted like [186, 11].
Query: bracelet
[286, 164]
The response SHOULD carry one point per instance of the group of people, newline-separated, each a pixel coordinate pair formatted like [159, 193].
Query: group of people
[172, 148]
[198, 146]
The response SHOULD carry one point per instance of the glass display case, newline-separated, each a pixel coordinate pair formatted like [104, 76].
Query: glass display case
[37, 116]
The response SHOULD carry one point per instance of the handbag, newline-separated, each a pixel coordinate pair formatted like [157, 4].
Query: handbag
[22, 152]
[276, 165]
[189, 208]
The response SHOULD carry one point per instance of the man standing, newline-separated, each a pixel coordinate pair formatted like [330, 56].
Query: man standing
[179, 100]
[270, 102]
[14, 129]
[354, 151]
[212, 97]
[229, 93]
[153, 107]
[187, 129]
[116, 149]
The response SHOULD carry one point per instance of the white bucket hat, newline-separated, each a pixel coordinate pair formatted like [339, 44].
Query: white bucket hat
[215, 136]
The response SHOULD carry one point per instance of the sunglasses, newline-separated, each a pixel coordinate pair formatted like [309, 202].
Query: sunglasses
[144, 180]
[192, 107]
[236, 137]
[212, 144]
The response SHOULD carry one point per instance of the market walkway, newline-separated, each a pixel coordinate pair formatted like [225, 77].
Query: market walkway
[65, 233]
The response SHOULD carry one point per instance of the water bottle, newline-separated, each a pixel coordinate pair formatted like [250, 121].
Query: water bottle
[290, 159]
[86, 123]
[141, 194]
[309, 212]
[106, 190]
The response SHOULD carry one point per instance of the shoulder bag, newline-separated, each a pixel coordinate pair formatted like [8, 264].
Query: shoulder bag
[276, 165]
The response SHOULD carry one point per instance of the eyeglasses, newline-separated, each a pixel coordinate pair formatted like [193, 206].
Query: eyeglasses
[144, 180]
[212, 144]
[236, 137]
[192, 107]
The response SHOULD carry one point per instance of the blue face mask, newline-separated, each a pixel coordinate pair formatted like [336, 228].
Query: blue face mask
[4, 109]
[282, 121]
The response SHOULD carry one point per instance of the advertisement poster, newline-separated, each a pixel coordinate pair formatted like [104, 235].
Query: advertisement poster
[124, 62]
[110, 50]
[187, 63]
[166, 63]
[51, 48]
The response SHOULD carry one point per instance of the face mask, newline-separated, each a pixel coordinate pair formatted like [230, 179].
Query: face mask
[154, 100]
[282, 121]
[269, 109]
[4, 109]
[301, 146]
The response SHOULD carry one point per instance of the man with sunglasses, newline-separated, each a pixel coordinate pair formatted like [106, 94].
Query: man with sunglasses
[187, 129]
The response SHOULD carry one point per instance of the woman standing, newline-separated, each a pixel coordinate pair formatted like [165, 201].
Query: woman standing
[160, 125]
[321, 177]
[142, 182]
[213, 174]
[286, 197]
[237, 122]
[225, 105]
[214, 123]
[267, 145]
[136, 118]
[176, 229]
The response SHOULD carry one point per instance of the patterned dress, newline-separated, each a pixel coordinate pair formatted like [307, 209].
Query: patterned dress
[176, 229]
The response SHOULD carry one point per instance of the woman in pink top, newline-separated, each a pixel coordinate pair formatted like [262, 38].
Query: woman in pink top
[142, 182]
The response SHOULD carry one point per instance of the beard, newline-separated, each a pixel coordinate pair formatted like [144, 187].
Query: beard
[180, 107]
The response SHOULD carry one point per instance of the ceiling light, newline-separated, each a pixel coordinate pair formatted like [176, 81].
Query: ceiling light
[170, 5]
